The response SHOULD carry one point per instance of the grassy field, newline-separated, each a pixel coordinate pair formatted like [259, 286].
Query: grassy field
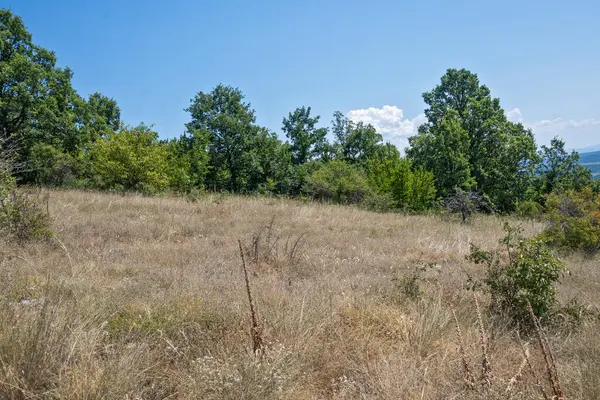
[144, 298]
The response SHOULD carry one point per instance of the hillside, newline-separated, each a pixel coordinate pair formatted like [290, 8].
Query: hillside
[592, 162]
[145, 298]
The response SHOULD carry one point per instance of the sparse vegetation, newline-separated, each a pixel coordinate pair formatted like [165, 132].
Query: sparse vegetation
[147, 299]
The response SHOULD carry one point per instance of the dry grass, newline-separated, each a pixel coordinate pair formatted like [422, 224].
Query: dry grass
[145, 298]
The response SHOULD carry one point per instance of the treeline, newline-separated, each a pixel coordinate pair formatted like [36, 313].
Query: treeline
[466, 145]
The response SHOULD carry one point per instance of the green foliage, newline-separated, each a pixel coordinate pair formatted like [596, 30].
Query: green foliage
[529, 209]
[307, 141]
[339, 182]
[132, 159]
[51, 167]
[574, 218]
[559, 171]
[379, 202]
[409, 285]
[468, 143]
[356, 143]
[444, 151]
[22, 215]
[410, 189]
[272, 167]
[97, 117]
[528, 277]
[36, 99]
[229, 125]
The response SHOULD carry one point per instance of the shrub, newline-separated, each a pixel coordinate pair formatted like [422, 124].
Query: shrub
[337, 181]
[22, 216]
[465, 204]
[410, 189]
[379, 202]
[574, 221]
[134, 160]
[528, 277]
[529, 209]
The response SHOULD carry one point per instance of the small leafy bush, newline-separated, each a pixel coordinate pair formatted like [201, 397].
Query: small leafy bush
[574, 221]
[22, 216]
[529, 209]
[410, 188]
[524, 273]
[339, 182]
[379, 202]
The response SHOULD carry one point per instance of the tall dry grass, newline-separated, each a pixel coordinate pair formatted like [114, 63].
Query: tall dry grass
[145, 298]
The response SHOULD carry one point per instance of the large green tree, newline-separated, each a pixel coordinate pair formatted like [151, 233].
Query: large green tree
[490, 153]
[307, 141]
[35, 95]
[445, 152]
[229, 124]
[355, 142]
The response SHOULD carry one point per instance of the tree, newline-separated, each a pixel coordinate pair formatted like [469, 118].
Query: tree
[272, 164]
[444, 151]
[495, 156]
[356, 142]
[229, 123]
[307, 141]
[34, 93]
[192, 149]
[38, 105]
[558, 170]
[97, 117]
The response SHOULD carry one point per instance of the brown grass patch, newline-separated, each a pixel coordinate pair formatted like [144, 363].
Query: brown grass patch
[145, 298]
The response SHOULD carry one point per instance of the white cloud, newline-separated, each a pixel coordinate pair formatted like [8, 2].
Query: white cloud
[559, 124]
[576, 133]
[390, 122]
[395, 128]
[514, 115]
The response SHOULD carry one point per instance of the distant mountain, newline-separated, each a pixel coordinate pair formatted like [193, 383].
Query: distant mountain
[589, 149]
[592, 162]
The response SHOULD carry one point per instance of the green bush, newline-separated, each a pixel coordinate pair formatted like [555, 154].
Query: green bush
[529, 209]
[50, 167]
[529, 276]
[337, 181]
[411, 189]
[134, 160]
[574, 221]
[379, 202]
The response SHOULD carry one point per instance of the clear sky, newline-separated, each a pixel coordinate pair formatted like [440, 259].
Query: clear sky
[369, 59]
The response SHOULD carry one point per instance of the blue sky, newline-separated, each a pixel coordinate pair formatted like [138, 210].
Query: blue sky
[371, 60]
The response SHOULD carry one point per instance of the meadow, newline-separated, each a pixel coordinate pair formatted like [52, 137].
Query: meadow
[145, 298]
